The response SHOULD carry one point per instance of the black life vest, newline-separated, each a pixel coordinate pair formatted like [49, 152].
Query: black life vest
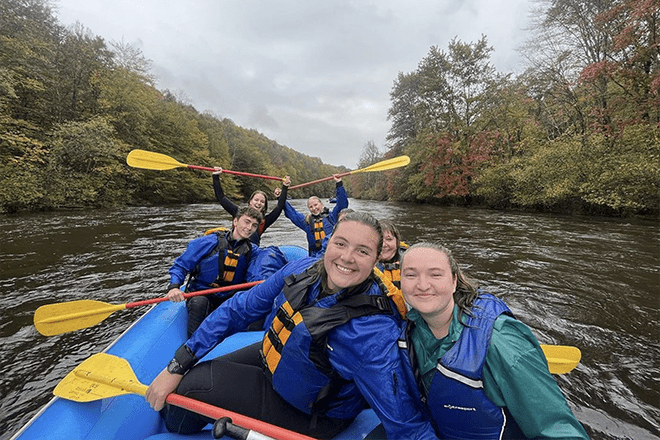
[309, 326]
[227, 266]
[317, 225]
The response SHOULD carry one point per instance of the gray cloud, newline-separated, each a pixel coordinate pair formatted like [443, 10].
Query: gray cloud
[315, 77]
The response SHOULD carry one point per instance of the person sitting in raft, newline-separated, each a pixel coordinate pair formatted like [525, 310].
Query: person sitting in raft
[320, 221]
[390, 256]
[336, 349]
[258, 200]
[483, 373]
[214, 260]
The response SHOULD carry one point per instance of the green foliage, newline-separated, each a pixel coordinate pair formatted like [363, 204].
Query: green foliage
[625, 174]
[576, 173]
[22, 157]
[21, 187]
[71, 109]
[577, 132]
[84, 164]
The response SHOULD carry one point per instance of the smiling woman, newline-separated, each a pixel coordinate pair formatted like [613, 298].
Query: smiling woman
[351, 254]
[481, 371]
[330, 350]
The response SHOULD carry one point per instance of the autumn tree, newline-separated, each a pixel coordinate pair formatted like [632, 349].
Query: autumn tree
[443, 104]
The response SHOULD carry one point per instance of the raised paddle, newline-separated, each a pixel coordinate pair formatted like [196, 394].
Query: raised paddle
[395, 162]
[54, 319]
[104, 375]
[156, 161]
[561, 358]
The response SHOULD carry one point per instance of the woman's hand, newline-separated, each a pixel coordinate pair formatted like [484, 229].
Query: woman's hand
[163, 385]
[175, 295]
[337, 177]
[286, 181]
[218, 170]
[277, 192]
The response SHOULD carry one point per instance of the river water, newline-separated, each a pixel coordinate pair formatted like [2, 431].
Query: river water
[591, 283]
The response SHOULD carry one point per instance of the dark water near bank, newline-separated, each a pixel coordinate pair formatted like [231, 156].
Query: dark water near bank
[591, 283]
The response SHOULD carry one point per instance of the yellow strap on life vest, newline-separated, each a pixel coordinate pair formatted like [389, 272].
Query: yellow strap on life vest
[278, 334]
[393, 275]
[319, 233]
[393, 293]
[231, 261]
[214, 230]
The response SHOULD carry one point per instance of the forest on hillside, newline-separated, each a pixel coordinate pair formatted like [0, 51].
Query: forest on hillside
[577, 132]
[73, 106]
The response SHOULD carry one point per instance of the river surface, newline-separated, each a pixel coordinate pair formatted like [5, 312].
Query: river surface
[591, 283]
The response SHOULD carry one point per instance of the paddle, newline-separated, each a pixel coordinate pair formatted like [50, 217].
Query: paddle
[396, 162]
[156, 161]
[54, 319]
[104, 375]
[561, 358]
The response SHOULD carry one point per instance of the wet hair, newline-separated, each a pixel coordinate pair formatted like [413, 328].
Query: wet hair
[466, 291]
[265, 207]
[250, 212]
[388, 226]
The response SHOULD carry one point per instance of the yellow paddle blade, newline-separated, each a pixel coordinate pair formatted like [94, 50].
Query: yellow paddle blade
[395, 162]
[100, 376]
[152, 161]
[561, 358]
[54, 319]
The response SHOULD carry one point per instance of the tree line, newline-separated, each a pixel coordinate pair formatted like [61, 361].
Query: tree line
[72, 106]
[578, 131]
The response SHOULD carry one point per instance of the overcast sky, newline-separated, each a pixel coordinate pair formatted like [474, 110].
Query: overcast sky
[314, 76]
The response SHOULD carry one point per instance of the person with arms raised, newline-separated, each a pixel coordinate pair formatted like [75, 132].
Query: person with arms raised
[320, 221]
[258, 200]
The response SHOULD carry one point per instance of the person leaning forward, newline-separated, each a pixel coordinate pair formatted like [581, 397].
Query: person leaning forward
[214, 260]
[340, 353]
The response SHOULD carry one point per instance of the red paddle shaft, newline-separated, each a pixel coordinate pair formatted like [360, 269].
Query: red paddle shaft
[248, 422]
[325, 179]
[237, 173]
[199, 292]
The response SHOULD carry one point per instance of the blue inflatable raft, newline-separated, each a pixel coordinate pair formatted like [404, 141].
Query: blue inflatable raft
[148, 346]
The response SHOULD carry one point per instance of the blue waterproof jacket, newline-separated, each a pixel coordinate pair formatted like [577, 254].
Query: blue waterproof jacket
[329, 219]
[204, 259]
[363, 351]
